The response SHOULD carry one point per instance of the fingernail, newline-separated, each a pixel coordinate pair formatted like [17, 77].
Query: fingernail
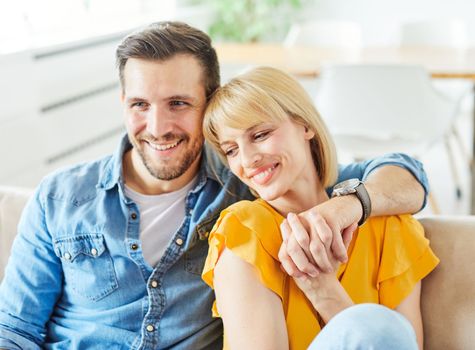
[313, 273]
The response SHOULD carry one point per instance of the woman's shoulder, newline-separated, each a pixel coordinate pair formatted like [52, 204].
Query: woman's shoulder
[253, 214]
[388, 224]
[250, 222]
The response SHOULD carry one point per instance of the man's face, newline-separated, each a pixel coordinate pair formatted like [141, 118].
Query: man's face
[164, 102]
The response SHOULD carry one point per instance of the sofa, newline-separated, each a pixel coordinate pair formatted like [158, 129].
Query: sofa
[448, 293]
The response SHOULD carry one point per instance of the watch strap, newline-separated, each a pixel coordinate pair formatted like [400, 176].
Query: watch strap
[365, 201]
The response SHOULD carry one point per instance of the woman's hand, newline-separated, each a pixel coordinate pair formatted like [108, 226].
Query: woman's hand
[316, 241]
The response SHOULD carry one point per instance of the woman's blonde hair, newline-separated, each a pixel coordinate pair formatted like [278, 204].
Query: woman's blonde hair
[267, 94]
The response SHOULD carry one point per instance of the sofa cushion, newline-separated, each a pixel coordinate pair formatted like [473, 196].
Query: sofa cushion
[448, 293]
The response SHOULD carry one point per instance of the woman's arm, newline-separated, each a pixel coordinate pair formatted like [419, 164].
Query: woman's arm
[393, 190]
[324, 290]
[252, 314]
[411, 309]
[326, 294]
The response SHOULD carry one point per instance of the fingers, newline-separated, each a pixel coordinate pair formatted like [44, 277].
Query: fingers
[331, 239]
[285, 231]
[347, 235]
[321, 253]
[298, 232]
[338, 248]
[287, 264]
[296, 247]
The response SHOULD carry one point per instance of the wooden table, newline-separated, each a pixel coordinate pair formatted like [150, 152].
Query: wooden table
[442, 63]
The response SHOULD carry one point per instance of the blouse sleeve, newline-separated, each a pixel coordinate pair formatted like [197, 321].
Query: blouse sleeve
[253, 238]
[406, 258]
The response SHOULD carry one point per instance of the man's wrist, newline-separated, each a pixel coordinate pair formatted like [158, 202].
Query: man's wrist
[356, 187]
[349, 208]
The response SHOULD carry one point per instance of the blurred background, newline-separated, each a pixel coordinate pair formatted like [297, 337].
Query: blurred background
[59, 90]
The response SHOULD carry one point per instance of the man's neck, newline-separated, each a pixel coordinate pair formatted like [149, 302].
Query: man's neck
[137, 177]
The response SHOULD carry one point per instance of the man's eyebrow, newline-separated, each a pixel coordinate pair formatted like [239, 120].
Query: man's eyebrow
[134, 99]
[181, 97]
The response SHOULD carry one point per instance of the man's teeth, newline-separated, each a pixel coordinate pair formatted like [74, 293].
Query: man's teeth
[163, 147]
[264, 173]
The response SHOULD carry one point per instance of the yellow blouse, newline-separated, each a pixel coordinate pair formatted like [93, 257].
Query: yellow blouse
[386, 258]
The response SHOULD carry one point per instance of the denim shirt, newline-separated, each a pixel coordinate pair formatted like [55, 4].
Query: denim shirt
[77, 279]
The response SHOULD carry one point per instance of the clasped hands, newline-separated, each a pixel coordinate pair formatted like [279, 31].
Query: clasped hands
[316, 241]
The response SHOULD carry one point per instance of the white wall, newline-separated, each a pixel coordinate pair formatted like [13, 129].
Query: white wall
[380, 19]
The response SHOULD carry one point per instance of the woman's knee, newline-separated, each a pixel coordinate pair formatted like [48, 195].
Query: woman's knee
[367, 326]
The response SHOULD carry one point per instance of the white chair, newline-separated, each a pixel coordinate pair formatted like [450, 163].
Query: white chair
[448, 33]
[325, 33]
[375, 109]
[334, 34]
[443, 34]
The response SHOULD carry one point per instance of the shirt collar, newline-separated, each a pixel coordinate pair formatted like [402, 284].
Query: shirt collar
[211, 167]
[113, 170]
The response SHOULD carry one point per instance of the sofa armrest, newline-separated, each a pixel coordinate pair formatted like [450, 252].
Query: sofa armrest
[12, 202]
[448, 293]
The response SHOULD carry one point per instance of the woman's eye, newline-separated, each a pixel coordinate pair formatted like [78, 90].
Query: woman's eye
[261, 135]
[230, 152]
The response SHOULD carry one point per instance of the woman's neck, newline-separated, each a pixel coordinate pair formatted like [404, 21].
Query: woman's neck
[305, 194]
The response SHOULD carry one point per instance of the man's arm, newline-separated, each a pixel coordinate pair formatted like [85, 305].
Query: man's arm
[32, 282]
[396, 184]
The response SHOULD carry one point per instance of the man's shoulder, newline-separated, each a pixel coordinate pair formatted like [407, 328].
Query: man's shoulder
[77, 182]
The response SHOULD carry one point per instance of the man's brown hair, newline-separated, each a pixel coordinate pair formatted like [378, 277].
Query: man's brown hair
[163, 40]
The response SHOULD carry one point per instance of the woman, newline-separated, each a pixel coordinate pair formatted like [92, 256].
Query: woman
[267, 130]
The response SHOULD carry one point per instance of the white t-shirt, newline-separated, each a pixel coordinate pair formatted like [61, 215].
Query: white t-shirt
[160, 218]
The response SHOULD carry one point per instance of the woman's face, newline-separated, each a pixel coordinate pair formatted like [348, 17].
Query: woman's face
[271, 158]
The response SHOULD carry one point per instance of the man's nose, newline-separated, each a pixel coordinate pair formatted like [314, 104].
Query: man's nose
[159, 122]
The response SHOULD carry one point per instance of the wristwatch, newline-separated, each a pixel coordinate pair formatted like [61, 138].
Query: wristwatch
[355, 186]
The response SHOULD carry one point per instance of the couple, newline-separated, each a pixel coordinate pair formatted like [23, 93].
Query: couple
[109, 254]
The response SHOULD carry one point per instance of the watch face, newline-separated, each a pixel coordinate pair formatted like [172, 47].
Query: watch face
[345, 187]
[347, 184]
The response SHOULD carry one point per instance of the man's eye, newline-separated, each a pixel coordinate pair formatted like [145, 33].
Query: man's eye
[138, 105]
[178, 103]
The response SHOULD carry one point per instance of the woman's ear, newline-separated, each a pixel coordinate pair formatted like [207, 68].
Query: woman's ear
[309, 134]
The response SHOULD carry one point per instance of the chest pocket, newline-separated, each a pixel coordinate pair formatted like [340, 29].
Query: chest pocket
[195, 257]
[87, 265]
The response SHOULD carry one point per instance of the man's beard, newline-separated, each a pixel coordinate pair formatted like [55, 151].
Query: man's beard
[169, 172]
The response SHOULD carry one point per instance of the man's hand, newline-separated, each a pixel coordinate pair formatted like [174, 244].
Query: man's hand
[315, 238]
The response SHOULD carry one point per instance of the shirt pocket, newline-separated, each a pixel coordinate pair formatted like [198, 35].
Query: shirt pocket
[87, 265]
[195, 258]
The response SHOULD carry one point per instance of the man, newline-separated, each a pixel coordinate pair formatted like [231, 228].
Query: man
[109, 254]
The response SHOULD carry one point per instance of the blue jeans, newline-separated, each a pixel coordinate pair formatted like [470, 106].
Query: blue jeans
[366, 326]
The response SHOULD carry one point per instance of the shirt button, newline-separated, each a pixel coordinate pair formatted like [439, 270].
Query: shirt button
[134, 246]
[150, 328]
[94, 251]
[154, 284]
[133, 216]
[179, 241]
[67, 256]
